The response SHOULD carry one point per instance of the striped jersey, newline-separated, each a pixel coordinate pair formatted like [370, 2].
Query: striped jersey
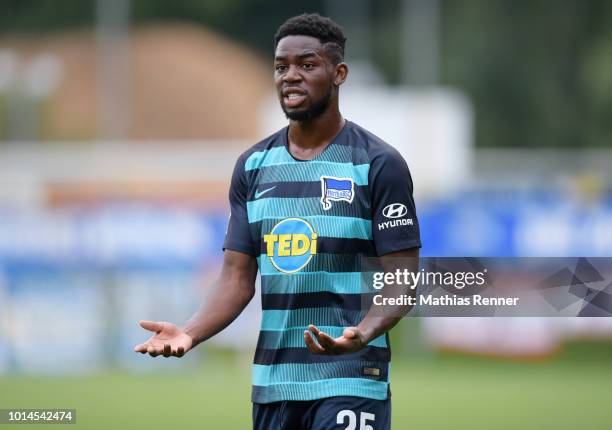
[309, 223]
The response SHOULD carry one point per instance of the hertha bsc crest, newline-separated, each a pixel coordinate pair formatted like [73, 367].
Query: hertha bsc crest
[336, 190]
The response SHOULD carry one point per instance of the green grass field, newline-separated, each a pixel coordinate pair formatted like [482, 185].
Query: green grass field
[441, 393]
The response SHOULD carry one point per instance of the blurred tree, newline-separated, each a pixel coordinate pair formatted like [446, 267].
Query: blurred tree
[44, 15]
[539, 72]
[252, 22]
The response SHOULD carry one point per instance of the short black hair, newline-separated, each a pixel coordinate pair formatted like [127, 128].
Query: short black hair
[327, 31]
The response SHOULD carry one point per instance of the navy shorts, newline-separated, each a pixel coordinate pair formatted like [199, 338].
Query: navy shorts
[332, 413]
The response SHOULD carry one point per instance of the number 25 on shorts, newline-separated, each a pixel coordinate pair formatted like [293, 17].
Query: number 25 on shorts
[364, 417]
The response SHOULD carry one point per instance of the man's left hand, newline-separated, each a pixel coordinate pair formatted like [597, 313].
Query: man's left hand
[352, 340]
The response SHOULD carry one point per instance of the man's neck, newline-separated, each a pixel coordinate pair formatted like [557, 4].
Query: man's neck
[307, 139]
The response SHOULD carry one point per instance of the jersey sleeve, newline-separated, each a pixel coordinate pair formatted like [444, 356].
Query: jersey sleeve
[395, 226]
[238, 235]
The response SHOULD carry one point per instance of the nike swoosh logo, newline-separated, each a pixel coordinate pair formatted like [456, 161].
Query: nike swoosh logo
[258, 194]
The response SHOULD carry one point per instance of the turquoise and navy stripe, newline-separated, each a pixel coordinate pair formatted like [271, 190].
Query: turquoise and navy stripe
[268, 186]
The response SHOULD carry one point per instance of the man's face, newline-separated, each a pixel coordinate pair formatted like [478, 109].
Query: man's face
[304, 77]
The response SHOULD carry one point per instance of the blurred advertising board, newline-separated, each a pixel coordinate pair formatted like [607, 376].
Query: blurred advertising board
[75, 280]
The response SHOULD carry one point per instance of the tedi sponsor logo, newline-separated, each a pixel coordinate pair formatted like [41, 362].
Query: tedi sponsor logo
[291, 244]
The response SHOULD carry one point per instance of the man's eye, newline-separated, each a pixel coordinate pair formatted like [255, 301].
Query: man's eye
[280, 68]
[307, 66]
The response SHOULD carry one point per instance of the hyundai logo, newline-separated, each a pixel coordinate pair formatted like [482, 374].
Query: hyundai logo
[395, 210]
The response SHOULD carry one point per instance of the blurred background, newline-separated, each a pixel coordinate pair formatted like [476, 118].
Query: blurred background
[120, 122]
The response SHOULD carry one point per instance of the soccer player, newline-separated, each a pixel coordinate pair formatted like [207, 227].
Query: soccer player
[307, 205]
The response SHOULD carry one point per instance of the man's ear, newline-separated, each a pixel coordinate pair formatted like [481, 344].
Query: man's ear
[340, 73]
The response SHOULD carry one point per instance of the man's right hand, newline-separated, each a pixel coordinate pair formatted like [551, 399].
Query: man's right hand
[168, 340]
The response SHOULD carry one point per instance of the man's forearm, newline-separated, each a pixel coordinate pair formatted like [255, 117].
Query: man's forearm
[380, 320]
[373, 326]
[383, 318]
[224, 306]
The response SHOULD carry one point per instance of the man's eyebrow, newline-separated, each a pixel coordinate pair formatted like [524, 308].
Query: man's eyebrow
[306, 54]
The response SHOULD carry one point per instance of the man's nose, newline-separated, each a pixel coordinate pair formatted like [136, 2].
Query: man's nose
[292, 74]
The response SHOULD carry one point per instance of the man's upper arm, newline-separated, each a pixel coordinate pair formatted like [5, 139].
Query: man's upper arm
[395, 226]
[239, 268]
[238, 235]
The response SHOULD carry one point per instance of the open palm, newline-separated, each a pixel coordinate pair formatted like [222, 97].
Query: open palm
[168, 340]
[351, 341]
